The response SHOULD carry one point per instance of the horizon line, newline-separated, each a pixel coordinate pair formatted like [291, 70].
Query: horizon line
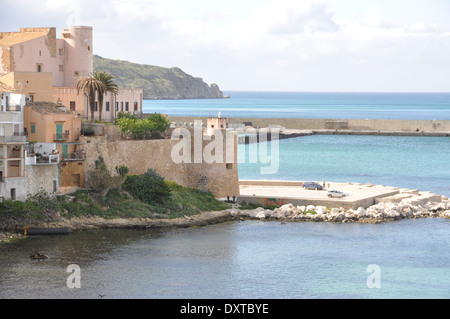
[289, 91]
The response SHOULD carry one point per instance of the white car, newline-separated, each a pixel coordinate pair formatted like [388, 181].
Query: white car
[336, 193]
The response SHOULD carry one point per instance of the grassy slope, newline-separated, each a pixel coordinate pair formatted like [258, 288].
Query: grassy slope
[183, 201]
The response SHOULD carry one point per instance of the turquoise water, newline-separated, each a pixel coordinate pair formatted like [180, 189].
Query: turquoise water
[431, 106]
[255, 259]
[251, 259]
[402, 161]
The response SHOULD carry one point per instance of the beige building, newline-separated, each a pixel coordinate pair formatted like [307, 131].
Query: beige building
[215, 123]
[39, 50]
[35, 86]
[128, 101]
[52, 124]
[36, 63]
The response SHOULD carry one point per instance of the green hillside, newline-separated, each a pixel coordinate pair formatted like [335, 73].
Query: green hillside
[157, 82]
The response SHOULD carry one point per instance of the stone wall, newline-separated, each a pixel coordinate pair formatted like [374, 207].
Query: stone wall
[139, 156]
[41, 177]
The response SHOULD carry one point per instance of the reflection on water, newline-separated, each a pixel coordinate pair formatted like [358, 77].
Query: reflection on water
[249, 259]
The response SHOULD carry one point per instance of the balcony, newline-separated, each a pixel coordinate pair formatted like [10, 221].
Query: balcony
[43, 160]
[79, 155]
[61, 137]
[16, 138]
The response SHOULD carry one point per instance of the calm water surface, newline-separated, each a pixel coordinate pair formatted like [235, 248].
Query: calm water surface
[401, 161]
[250, 259]
[423, 106]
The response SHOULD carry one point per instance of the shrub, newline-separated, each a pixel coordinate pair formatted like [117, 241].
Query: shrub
[149, 187]
[149, 128]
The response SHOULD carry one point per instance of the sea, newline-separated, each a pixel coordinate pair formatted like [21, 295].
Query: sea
[405, 259]
[421, 163]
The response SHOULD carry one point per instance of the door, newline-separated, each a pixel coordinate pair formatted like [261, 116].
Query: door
[59, 131]
[64, 151]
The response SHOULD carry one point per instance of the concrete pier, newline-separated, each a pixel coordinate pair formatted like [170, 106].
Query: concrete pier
[266, 193]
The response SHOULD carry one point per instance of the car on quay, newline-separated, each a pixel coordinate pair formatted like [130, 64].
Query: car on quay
[336, 193]
[312, 185]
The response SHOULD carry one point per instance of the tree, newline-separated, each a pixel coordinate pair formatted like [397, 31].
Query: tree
[100, 179]
[90, 86]
[110, 86]
[159, 124]
[122, 172]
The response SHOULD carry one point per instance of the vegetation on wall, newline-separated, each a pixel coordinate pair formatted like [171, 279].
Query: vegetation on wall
[151, 127]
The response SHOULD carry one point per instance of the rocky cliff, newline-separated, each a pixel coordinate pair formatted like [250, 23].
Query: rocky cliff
[157, 82]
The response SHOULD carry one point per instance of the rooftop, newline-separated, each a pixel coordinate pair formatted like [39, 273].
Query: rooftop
[6, 88]
[46, 108]
[25, 34]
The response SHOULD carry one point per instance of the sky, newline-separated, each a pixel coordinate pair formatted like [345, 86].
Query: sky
[266, 45]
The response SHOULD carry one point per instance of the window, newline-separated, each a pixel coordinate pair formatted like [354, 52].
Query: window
[38, 67]
[117, 106]
[229, 166]
[121, 106]
[107, 106]
[126, 106]
[72, 105]
[61, 51]
[33, 128]
[55, 186]
[61, 68]
[13, 193]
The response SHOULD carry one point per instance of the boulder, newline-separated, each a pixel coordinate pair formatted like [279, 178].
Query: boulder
[254, 212]
[260, 215]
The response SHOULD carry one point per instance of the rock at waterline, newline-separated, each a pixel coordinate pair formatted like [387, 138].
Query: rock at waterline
[38, 256]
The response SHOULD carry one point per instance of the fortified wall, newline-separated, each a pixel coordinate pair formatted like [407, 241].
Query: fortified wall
[220, 178]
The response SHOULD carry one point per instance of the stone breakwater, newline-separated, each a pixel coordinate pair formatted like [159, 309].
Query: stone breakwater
[378, 213]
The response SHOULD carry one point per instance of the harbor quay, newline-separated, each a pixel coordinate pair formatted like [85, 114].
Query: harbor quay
[277, 193]
[293, 127]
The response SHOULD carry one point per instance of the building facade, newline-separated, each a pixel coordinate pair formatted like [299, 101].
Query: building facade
[46, 69]
[53, 125]
[12, 145]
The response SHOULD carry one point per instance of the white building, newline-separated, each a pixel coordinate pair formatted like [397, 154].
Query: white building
[12, 145]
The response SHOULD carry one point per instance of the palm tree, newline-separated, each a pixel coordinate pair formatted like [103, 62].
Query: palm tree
[90, 86]
[111, 87]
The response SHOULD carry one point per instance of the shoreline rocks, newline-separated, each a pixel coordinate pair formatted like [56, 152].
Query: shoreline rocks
[380, 212]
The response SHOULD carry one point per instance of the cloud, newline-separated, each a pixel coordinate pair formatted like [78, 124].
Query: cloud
[305, 44]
